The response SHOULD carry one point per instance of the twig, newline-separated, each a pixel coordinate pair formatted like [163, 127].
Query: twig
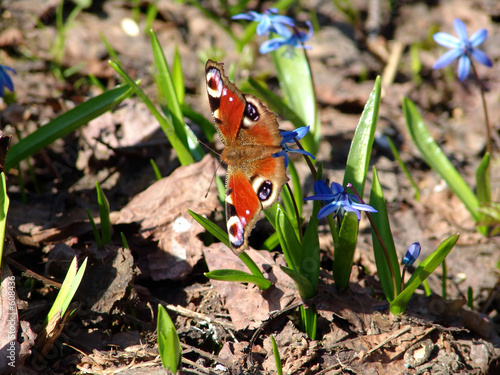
[391, 68]
[193, 314]
[29, 273]
[208, 355]
[272, 316]
[202, 370]
[396, 335]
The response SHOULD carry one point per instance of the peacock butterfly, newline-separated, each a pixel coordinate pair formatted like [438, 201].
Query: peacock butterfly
[250, 133]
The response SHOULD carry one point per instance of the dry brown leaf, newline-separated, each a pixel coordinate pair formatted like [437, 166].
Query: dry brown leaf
[162, 213]
[107, 278]
[247, 304]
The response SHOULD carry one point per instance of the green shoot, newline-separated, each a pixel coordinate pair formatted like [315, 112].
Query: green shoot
[104, 214]
[277, 359]
[69, 287]
[169, 344]
[65, 124]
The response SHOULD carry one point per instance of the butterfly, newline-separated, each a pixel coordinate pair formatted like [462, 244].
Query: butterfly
[250, 134]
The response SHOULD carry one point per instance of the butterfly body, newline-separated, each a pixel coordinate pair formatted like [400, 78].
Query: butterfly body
[251, 136]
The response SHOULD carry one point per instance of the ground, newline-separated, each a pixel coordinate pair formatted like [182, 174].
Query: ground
[225, 328]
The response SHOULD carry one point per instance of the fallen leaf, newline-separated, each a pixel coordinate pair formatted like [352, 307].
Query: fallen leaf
[247, 304]
[161, 211]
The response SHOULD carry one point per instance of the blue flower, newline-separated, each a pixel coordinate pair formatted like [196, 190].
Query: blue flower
[337, 200]
[289, 137]
[5, 80]
[462, 48]
[412, 254]
[295, 40]
[269, 22]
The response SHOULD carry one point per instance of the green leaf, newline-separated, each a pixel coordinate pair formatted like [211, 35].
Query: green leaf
[403, 168]
[168, 92]
[206, 126]
[297, 186]
[65, 124]
[287, 198]
[109, 49]
[166, 124]
[296, 82]
[310, 255]
[398, 305]
[270, 214]
[95, 231]
[240, 277]
[390, 286]
[306, 289]
[104, 214]
[68, 289]
[362, 142]
[4, 208]
[178, 78]
[169, 345]
[344, 250]
[167, 89]
[155, 169]
[483, 184]
[271, 242]
[437, 160]
[277, 359]
[124, 241]
[309, 318]
[288, 239]
[212, 228]
[221, 235]
[245, 258]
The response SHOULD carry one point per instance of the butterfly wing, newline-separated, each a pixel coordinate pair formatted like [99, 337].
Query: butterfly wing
[226, 102]
[251, 188]
[250, 133]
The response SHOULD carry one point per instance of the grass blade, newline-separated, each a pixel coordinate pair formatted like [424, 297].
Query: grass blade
[212, 228]
[240, 277]
[398, 305]
[381, 220]
[167, 126]
[95, 231]
[70, 285]
[66, 123]
[437, 160]
[104, 214]
[483, 184]
[277, 359]
[403, 168]
[178, 77]
[362, 142]
[344, 250]
[169, 345]
[296, 82]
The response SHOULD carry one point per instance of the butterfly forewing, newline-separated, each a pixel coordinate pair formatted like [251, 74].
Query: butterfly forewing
[226, 102]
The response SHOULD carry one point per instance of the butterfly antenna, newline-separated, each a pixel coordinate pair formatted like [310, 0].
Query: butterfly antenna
[208, 147]
[213, 178]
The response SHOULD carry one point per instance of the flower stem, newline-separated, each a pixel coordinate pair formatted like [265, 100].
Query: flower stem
[296, 209]
[485, 109]
[307, 159]
[403, 278]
